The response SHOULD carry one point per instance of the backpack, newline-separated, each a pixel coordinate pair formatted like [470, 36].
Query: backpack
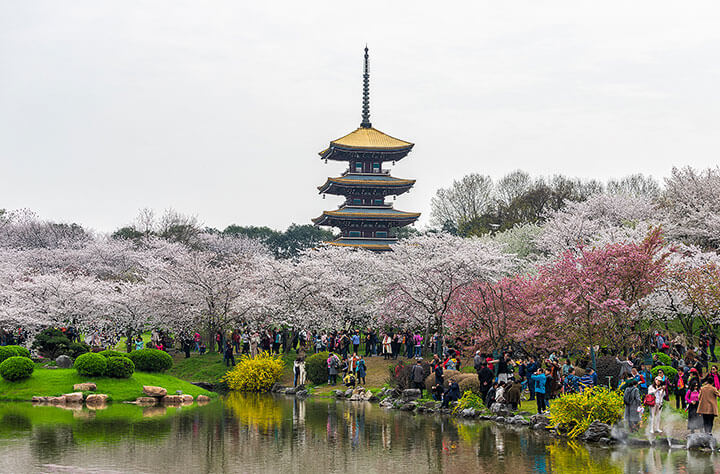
[649, 400]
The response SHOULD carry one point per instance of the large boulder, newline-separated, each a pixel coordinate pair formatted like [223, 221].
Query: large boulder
[500, 409]
[85, 387]
[518, 420]
[701, 441]
[57, 400]
[64, 362]
[172, 400]
[411, 394]
[152, 391]
[75, 397]
[301, 393]
[203, 398]
[95, 399]
[468, 413]
[348, 393]
[409, 406]
[146, 401]
[596, 431]
[538, 419]
[187, 398]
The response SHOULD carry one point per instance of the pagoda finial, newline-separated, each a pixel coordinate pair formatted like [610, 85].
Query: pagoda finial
[366, 93]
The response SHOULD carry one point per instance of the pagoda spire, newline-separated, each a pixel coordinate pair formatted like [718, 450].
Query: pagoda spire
[366, 93]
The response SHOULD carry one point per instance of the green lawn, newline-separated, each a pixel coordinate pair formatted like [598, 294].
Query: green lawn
[199, 368]
[54, 382]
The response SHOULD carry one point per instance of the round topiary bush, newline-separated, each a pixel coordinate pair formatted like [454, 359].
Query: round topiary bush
[316, 368]
[91, 365]
[16, 368]
[119, 367]
[6, 352]
[469, 383]
[112, 353]
[20, 351]
[150, 360]
[669, 372]
[662, 358]
[77, 349]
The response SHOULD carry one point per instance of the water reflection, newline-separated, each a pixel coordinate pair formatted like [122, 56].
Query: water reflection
[253, 433]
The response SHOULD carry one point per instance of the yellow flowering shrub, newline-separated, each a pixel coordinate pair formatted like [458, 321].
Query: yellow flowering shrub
[573, 413]
[256, 374]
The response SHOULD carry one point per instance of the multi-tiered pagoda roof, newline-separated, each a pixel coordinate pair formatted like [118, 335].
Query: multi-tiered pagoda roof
[365, 219]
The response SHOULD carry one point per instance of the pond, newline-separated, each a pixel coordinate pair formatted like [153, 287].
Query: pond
[262, 433]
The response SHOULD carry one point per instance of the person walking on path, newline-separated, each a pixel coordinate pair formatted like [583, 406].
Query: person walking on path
[707, 404]
[657, 389]
[633, 405]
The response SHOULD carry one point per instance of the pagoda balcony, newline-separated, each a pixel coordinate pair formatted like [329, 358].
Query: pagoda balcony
[375, 173]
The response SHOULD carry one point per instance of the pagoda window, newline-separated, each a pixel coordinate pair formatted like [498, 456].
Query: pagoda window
[357, 201]
[358, 167]
[354, 233]
[376, 167]
[381, 233]
[379, 202]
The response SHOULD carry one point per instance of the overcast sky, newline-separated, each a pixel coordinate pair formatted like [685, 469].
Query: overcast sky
[218, 109]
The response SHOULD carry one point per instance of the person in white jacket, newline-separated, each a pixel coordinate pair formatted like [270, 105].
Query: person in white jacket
[658, 390]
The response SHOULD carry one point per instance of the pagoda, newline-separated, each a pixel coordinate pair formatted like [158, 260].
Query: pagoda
[365, 219]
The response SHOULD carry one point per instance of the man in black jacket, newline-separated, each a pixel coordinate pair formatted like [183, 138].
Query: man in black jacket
[485, 377]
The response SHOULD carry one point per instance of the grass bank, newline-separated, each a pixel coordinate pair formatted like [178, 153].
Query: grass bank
[55, 382]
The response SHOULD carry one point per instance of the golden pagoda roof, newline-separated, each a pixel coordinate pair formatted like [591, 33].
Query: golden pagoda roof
[369, 139]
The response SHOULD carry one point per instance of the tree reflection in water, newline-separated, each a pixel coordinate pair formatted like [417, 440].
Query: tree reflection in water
[260, 433]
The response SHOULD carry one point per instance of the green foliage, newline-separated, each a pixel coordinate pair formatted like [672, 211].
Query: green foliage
[573, 413]
[112, 353]
[469, 400]
[6, 352]
[670, 373]
[283, 244]
[255, 374]
[151, 360]
[77, 349]
[20, 351]
[316, 368]
[51, 342]
[16, 368]
[91, 365]
[119, 367]
[662, 358]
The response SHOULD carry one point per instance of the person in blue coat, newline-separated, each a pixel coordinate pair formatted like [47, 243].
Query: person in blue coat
[360, 370]
[539, 380]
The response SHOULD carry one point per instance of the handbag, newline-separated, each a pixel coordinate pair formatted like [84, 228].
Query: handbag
[649, 400]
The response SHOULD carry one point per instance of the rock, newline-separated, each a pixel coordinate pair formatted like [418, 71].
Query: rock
[539, 426]
[499, 419]
[277, 388]
[638, 442]
[388, 402]
[57, 400]
[595, 431]
[409, 406]
[64, 362]
[301, 394]
[338, 393]
[203, 398]
[518, 420]
[75, 397]
[171, 400]
[411, 394]
[348, 393]
[290, 391]
[85, 387]
[468, 413]
[187, 398]
[500, 409]
[152, 391]
[146, 401]
[96, 399]
[540, 420]
[701, 441]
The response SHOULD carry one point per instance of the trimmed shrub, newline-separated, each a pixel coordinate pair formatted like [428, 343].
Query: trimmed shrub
[670, 373]
[16, 368]
[6, 352]
[316, 368]
[20, 351]
[150, 360]
[91, 365]
[256, 374]
[51, 342]
[662, 358]
[469, 383]
[119, 367]
[111, 353]
[571, 414]
[77, 349]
